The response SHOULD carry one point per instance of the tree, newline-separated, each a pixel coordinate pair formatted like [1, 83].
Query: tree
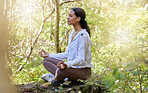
[57, 26]
[5, 85]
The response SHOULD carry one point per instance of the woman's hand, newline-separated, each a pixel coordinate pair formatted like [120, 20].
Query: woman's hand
[44, 54]
[61, 65]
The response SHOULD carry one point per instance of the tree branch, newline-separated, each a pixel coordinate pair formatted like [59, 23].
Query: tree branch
[41, 29]
[64, 37]
[68, 2]
[32, 46]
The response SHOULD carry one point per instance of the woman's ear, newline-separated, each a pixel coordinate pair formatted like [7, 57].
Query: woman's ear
[78, 18]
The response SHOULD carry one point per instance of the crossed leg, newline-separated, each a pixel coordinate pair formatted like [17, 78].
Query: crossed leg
[71, 73]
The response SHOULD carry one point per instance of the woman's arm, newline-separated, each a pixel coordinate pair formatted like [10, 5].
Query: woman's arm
[59, 56]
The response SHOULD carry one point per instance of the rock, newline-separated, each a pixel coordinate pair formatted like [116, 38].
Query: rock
[66, 87]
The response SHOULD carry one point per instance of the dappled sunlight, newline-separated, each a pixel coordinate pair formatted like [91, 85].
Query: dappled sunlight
[122, 37]
[26, 8]
[119, 32]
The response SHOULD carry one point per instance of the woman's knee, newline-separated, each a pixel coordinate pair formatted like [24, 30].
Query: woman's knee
[45, 60]
[61, 74]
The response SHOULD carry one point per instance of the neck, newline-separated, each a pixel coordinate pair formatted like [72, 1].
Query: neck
[77, 27]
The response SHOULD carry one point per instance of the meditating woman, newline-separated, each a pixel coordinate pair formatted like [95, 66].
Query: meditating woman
[78, 53]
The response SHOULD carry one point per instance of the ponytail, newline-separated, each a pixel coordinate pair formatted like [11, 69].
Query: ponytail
[84, 25]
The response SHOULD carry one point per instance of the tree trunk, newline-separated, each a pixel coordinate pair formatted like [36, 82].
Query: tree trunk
[34, 42]
[40, 31]
[5, 85]
[57, 26]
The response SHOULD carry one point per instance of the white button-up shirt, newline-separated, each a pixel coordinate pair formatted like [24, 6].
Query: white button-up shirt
[78, 53]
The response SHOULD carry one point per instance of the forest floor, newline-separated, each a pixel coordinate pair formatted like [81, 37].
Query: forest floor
[46, 87]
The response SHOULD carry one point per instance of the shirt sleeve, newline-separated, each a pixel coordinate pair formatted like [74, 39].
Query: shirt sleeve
[59, 56]
[82, 47]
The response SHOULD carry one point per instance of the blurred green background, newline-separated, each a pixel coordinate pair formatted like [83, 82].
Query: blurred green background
[119, 32]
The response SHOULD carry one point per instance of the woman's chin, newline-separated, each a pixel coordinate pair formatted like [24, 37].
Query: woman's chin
[69, 24]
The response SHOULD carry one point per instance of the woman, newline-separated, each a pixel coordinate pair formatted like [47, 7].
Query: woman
[78, 53]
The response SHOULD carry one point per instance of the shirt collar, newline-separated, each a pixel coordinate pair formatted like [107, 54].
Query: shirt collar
[79, 33]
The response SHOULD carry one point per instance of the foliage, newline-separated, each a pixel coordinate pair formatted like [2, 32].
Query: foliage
[119, 32]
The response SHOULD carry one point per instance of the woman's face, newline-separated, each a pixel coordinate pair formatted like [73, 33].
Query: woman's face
[72, 19]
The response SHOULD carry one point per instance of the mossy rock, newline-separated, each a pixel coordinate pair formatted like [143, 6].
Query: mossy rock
[45, 87]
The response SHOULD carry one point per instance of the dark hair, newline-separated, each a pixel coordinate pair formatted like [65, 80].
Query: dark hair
[79, 12]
